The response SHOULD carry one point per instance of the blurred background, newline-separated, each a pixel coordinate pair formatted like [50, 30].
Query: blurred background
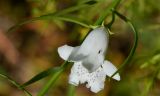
[32, 48]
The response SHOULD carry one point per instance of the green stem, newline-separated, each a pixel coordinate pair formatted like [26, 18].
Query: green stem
[112, 21]
[71, 90]
[104, 14]
[15, 84]
[107, 11]
[53, 79]
[73, 21]
[128, 59]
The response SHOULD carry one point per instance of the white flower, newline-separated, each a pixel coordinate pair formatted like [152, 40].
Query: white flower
[89, 65]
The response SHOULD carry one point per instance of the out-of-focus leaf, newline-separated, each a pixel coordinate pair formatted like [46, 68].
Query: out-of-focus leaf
[2, 70]
[52, 15]
[41, 76]
[150, 82]
[154, 60]
[158, 76]
[91, 2]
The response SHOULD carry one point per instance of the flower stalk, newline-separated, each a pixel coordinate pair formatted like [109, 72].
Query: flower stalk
[130, 56]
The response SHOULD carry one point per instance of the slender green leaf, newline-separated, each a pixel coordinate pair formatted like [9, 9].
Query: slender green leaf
[41, 76]
[15, 84]
[53, 79]
[74, 19]
[52, 15]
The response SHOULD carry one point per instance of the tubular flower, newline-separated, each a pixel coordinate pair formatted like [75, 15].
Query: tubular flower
[89, 64]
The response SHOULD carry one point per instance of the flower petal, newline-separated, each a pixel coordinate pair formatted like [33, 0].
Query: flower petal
[94, 48]
[79, 74]
[70, 53]
[65, 51]
[97, 86]
[96, 40]
[74, 79]
[109, 70]
[93, 62]
[96, 80]
[75, 56]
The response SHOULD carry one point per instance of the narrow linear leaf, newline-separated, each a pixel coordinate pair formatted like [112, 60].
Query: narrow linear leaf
[77, 7]
[73, 19]
[41, 76]
[43, 17]
[15, 84]
[50, 82]
[53, 79]
[52, 15]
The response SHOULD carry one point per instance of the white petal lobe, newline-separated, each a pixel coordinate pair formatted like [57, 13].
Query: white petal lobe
[96, 40]
[109, 69]
[94, 80]
[79, 74]
[65, 51]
